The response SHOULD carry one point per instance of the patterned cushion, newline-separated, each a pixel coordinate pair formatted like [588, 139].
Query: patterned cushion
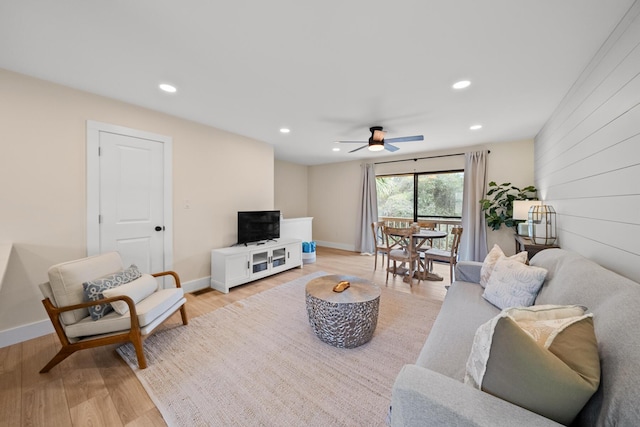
[492, 258]
[542, 358]
[513, 284]
[93, 289]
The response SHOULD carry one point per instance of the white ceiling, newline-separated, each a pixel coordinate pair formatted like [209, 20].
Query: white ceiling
[328, 70]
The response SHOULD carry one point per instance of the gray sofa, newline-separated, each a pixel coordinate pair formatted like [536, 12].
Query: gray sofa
[431, 392]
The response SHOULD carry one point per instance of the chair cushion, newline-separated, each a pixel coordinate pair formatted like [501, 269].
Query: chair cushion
[93, 289]
[66, 281]
[440, 253]
[148, 310]
[137, 290]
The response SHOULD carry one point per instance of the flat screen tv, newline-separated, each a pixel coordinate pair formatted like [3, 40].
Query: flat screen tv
[255, 226]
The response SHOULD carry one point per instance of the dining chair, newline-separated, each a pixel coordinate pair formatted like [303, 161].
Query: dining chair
[449, 256]
[401, 248]
[378, 237]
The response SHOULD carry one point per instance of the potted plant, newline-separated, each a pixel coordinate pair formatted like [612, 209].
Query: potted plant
[498, 204]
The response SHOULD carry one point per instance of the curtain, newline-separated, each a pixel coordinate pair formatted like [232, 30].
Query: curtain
[473, 243]
[368, 212]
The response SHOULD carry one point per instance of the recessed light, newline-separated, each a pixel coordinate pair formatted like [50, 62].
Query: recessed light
[285, 130]
[167, 88]
[475, 127]
[335, 149]
[461, 84]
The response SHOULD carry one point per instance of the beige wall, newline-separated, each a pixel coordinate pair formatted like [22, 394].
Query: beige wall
[290, 189]
[334, 188]
[42, 196]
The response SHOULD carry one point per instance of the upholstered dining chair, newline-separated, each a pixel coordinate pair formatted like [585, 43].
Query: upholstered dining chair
[401, 248]
[381, 245]
[449, 256]
[96, 301]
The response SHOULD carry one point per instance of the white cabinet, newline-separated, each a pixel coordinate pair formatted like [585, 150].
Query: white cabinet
[241, 264]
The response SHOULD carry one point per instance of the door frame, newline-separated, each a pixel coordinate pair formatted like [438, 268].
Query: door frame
[93, 184]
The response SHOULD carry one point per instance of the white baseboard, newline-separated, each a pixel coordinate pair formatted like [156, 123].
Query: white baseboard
[25, 332]
[333, 245]
[197, 285]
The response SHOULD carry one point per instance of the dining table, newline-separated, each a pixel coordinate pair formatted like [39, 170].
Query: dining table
[418, 241]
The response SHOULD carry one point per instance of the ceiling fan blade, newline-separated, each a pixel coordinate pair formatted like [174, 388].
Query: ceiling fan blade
[357, 149]
[390, 147]
[406, 138]
[352, 142]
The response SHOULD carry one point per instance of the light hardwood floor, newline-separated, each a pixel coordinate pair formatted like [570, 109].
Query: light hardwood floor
[95, 387]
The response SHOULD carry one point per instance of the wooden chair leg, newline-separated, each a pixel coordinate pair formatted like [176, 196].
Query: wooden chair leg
[62, 354]
[137, 344]
[183, 314]
[375, 263]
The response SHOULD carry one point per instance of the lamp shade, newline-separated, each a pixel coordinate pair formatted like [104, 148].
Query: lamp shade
[521, 208]
[542, 224]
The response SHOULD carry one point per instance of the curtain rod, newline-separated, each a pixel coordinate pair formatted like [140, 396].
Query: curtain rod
[423, 158]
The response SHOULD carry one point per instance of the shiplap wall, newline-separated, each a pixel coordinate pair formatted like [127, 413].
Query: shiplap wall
[587, 156]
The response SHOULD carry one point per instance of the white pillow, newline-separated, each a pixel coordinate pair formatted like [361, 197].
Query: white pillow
[514, 284]
[490, 262]
[137, 290]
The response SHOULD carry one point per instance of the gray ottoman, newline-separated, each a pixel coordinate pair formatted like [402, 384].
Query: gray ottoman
[346, 319]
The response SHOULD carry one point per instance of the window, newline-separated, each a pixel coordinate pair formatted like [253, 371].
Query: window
[421, 195]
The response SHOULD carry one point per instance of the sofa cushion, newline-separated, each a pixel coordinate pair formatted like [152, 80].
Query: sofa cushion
[614, 302]
[137, 290]
[513, 284]
[542, 358]
[66, 281]
[449, 342]
[492, 258]
[93, 289]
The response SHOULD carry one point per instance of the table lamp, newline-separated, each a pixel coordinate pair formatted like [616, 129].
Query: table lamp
[542, 225]
[521, 213]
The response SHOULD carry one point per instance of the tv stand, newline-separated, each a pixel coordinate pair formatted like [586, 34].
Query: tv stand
[238, 265]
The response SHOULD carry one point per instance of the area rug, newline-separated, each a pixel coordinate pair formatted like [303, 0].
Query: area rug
[257, 362]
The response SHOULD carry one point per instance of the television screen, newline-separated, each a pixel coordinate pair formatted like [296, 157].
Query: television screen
[254, 226]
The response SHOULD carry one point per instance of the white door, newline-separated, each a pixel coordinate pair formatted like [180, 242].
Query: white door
[131, 196]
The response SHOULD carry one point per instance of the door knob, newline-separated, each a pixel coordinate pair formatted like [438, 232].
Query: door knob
[158, 228]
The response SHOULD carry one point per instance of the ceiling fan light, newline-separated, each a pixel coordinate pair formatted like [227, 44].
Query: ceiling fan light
[376, 146]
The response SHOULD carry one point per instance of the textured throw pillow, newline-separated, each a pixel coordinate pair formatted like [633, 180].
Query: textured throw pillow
[94, 288]
[137, 290]
[542, 358]
[513, 284]
[492, 258]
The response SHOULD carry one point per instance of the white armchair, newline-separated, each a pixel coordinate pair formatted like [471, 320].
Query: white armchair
[146, 306]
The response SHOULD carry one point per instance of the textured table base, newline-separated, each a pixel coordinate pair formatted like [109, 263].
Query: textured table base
[344, 325]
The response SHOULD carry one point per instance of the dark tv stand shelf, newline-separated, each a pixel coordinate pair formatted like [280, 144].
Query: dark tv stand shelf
[241, 264]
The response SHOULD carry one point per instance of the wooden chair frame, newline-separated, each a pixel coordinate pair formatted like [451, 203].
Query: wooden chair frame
[133, 335]
[381, 247]
[402, 238]
[451, 257]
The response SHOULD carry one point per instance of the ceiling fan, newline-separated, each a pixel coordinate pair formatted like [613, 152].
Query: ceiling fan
[378, 143]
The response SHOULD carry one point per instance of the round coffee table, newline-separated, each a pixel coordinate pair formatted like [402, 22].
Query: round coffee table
[343, 319]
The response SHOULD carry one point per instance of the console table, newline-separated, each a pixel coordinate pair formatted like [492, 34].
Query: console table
[524, 243]
[242, 264]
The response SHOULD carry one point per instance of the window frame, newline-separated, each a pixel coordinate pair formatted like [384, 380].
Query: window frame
[417, 217]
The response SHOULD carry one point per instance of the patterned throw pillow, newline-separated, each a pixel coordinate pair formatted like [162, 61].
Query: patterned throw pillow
[94, 288]
[543, 358]
[492, 258]
[514, 284]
